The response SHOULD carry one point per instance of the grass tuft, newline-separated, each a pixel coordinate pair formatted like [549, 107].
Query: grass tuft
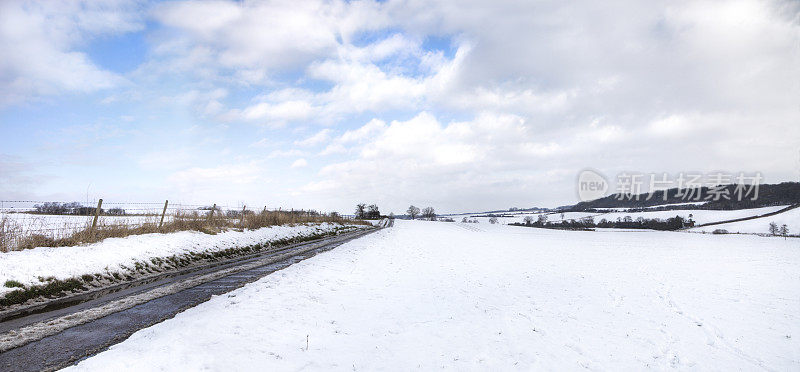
[13, 284]
[53, 288]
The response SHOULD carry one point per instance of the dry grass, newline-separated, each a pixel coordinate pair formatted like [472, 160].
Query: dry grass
[16, 237]
[8, 233]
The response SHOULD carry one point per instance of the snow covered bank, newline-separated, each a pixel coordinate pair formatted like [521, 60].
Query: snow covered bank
[432, 295]
[115, 254]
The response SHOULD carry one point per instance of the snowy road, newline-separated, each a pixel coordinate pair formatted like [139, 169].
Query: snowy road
[45, 341]
[433, 295]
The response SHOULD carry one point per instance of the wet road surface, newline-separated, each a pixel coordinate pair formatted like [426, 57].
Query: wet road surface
[82, 341]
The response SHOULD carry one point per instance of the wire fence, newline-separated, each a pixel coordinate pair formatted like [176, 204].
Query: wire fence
[52, 220]
[58, 218]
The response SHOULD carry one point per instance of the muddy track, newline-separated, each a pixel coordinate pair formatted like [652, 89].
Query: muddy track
[138, 283]
[54, 339]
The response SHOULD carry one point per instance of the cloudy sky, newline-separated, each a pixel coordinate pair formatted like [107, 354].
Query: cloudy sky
[461, 105]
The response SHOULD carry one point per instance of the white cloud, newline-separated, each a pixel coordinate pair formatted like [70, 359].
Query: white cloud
[299, 163]
[361, 87]
[671, 126]
[242, 180]
[259, 37]
[285, 153]
[396, 45]
[40, 40]
[341, 143]
[333, 148]
[262, 143]
[253, 43]
[423, 158]
[317, 139]
[216, 176]
[371, 128]
[207, 103]
[499, 102]
[278, 112]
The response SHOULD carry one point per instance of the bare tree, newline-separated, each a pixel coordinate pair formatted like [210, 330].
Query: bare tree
[493, 220]
[361, 211]
[773, 228]
[542, 219]
[413, 212]
[116, 212]
[528, 220]
[373, 212]
[429, 213]
[61, 208]
[464, 220]
[784, 231]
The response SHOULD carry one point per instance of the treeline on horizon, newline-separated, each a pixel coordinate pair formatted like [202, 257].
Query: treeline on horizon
[627, 222]
[372, 212]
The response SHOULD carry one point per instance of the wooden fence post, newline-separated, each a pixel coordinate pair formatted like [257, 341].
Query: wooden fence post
[161, 223]
[96, 214]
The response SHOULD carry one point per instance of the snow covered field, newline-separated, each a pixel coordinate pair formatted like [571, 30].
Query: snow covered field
[790, 218]
[507, 217]
[110, 255]
[432, 295]
[60, 226]
[700, 216]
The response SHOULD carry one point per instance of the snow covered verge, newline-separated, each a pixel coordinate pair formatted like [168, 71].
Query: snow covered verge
[119, 258]
[434, 295]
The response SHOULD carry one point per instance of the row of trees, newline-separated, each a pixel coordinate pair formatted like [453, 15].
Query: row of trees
[73, 208]
[674, 223]
[364, 212]
[372, 212]
[427, 213]
[783, 230]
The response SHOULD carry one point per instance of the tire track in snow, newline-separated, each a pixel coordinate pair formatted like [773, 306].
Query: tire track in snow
[715, 339]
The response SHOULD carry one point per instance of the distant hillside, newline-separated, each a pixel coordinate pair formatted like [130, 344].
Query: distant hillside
[768, 195]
